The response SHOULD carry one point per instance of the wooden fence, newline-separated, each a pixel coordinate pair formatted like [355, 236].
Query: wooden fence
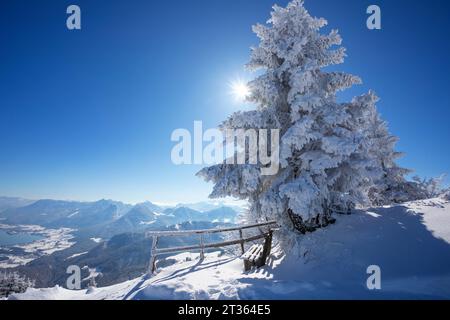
[202, 245]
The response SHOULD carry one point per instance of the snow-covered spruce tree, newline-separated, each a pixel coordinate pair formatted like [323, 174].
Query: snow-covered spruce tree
[12, 282]
[327, 148]
[429, 188]
[389, 185]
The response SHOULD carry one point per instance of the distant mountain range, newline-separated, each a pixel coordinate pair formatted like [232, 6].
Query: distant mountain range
[109, 235]
[10, 202]
[106, 218]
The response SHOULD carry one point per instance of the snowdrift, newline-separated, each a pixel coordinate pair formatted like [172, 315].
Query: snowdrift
[409, 242]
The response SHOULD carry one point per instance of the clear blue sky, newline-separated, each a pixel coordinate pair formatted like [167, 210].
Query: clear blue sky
[88, 114]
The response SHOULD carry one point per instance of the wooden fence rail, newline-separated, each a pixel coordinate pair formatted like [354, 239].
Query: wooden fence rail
[202, 246]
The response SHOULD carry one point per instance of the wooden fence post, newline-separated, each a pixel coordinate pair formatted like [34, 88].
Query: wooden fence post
[152, 266]
[202, 252]
[267, 245]
[242, 241]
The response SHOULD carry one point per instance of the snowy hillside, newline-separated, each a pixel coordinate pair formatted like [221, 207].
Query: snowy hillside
[410, 243]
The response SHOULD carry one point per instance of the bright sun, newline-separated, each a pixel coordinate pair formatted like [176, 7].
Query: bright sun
[239, 90]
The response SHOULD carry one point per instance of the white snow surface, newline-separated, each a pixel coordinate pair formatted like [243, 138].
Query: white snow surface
[410, 243]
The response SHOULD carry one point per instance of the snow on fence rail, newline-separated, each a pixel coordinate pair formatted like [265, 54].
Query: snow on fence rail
[202, 246]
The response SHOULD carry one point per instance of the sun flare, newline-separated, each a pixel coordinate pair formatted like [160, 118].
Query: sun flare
[239, 90]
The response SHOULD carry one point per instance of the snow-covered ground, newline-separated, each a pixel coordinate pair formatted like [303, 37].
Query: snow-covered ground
[97, 240]
[410, 243]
